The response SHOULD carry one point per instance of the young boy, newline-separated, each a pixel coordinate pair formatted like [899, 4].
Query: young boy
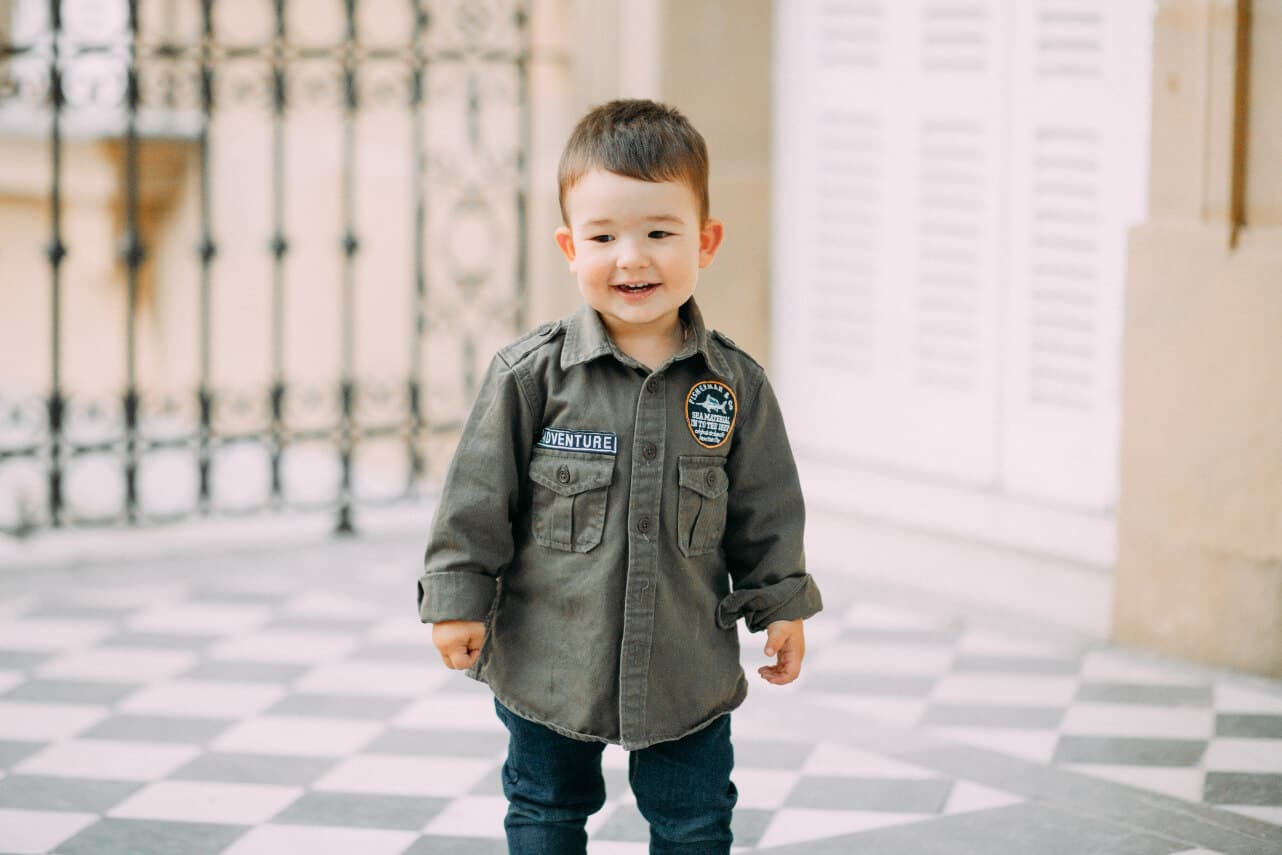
[620, 470]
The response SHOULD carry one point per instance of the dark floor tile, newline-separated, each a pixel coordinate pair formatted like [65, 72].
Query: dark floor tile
[92, 692]
[361, 810]
[490, 785]
[625, 824]
[36, 792]
[451, 743]
[1243, 788]
[158, 728]
[434, 845]
[388, 652]
[237, 768]
[969, 715]
[13, 752]
[1133, 693]
[771, 754]
[1017, 664]
[899, 685]
[1127, 751]
[339, 706]
[23, 660]
[616, 782]
[899, 795]
[146, 837]
[246, 672]
[1243, 726]
[749, 825]
[161, 640]
[79, 612]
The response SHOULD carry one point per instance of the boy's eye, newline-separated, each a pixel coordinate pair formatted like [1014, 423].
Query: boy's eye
[601, 238]
[658, 235]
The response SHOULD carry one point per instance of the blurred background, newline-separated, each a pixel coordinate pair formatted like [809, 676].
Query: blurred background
[1013, 265]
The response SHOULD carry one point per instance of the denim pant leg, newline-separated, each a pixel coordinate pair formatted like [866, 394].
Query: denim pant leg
[553, 784]
[684, 791]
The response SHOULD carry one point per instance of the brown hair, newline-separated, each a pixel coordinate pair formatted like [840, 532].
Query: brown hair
[637, 139]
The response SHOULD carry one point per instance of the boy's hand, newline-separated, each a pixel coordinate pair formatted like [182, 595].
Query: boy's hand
[787, 639]
[459, 642]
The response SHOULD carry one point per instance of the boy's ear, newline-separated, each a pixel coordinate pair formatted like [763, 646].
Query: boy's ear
[565, 240]
[710, 241]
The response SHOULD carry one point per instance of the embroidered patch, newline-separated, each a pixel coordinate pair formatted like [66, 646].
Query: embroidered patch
[710, 412]
[591, 441]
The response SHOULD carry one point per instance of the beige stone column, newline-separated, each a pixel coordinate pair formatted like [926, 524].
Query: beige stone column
[1199, 571]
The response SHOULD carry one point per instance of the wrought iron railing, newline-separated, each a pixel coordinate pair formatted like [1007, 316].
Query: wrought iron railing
[427, 99]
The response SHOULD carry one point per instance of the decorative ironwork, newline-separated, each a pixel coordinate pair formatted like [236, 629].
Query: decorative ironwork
[314, 371]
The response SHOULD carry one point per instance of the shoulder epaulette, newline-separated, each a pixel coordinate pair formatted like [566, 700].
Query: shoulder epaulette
[729, 342]
[530, 342]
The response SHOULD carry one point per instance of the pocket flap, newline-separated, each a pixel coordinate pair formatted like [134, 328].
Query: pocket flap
[704, 475]
[571, 474]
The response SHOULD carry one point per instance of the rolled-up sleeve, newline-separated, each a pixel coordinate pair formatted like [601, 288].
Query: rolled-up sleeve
[765, 521]
[471, 541]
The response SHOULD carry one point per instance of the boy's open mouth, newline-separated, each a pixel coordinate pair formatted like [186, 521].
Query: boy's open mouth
[636, 288]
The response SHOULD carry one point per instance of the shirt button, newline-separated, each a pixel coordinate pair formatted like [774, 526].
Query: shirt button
[563, 474]
[711, 478]
[652, 386]
[643, 525]
[649, 451]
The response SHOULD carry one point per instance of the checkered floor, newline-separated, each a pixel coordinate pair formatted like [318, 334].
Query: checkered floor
[288, 701]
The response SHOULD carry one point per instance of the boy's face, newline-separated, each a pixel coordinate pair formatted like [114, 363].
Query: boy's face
[636, 248]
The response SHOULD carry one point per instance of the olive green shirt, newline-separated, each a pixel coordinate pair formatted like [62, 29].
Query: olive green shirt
[610, 524]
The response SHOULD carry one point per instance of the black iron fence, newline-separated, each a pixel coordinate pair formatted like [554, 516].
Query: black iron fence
[400, 126]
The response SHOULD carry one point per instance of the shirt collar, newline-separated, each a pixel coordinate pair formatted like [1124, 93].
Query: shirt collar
[586, 339]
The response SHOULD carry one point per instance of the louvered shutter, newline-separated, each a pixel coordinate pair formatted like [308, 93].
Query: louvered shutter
[1079, 179]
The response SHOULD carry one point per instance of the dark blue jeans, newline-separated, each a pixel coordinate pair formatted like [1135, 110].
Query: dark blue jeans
[553, 784]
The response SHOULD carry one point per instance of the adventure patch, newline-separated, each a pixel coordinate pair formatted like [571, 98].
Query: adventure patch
[710, 412]
[591, 441]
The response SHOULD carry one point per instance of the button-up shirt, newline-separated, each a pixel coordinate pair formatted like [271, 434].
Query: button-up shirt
[610, 524]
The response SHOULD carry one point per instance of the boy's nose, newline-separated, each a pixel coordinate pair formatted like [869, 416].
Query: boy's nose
[631, 256]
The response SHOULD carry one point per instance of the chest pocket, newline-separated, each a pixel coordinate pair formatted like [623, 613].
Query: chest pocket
[567, 509]
[701, 504]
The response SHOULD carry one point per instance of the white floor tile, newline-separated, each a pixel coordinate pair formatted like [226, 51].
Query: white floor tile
[397, 630]
[404, 775]
[877, 658]
[1035, 745]
[452, 712]
[129, 596]
[1006, 689]
[471, 816]
[328, 840]
[967, 796]
[873, 615]
[283, 647]
[325, 604]
[201, 619]
[52, 633]
[382, 679]
[797, 825]
[1244, 755]
[203, 698]
[878, 707]
[38, 831]
[764, 788]
[984, 642]
[598, 820]
[33, 722]
[614, 757]
[120, 664]
[206, 801]
[831, 759]
[106, 760]
[1238, 699]
[1139, 720]
[300, 736]
[619, 847]
[9, 679]
[1118, 666]
[1181, 783]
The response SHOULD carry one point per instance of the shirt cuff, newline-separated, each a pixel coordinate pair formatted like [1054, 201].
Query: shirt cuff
[794, 598]
[455, 595]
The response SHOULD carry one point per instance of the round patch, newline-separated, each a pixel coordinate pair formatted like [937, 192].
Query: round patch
[710, 412]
